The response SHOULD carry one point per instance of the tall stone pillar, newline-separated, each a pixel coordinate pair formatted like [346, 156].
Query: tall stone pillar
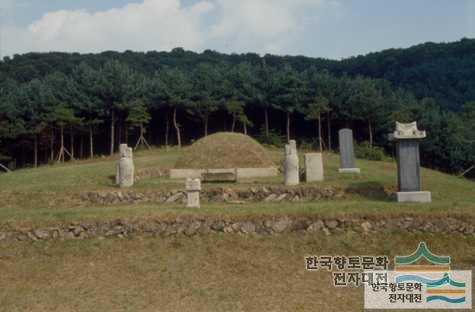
[122, 151]
[193, 189]
[291, 164]
[407, 138]
[126, 167]
[347, 153]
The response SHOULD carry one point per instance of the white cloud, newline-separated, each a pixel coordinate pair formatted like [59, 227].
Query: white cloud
[262, 26]
[153, 24]
[229, 25]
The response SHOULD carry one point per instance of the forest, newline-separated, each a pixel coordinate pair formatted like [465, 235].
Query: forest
[56, 107]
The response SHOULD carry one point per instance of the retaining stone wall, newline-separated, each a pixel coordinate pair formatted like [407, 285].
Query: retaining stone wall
[200, 225]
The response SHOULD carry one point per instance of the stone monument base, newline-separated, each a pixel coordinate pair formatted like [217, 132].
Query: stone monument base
[414, 197]
[349, 170]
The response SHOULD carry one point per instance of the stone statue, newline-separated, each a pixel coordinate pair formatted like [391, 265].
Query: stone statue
[291, 164]
[125, 175]
[122, 150]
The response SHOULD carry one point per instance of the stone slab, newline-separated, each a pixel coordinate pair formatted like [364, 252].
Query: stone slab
[251, 173]
[219, 175]
[314, 167]
[414, 197]
[242, 173]
[349, 170]
[185, 173]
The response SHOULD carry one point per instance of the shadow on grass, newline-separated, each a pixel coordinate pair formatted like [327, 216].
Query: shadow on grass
[370, 190]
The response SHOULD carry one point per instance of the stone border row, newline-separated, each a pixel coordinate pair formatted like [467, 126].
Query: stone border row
[198, 225]
[218, 195]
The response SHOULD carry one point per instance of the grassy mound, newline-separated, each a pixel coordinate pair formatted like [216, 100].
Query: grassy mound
[225, 150]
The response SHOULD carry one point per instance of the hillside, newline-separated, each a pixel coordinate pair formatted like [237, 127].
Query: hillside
[52, 193]
[228, 269]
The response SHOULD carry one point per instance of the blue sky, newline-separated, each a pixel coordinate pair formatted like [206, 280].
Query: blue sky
[320, 28]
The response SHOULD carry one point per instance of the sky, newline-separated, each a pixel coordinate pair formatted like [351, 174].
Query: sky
[318, 28]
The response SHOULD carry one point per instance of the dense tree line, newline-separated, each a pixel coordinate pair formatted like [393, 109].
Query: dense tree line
[58, 106]
[443, 71]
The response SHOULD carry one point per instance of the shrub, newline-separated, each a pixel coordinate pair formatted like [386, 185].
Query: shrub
[366, 151]
[274, 138]
[308, 145]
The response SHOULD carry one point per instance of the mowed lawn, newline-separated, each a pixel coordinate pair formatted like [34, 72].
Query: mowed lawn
[226, 272]
[51, 193]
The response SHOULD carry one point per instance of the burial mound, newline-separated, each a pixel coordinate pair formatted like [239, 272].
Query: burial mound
[225, 150]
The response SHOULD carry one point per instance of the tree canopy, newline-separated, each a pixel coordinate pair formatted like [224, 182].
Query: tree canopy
[51, 103]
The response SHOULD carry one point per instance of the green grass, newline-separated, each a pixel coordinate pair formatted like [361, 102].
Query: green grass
[81, 175]
[51, 193]
[218, 272]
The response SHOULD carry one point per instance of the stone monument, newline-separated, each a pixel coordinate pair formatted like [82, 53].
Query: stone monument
[347, 154]
[313, 167]
[193, 189]
[407, 138]
[125, 166]
[291, 164]
[122, 150]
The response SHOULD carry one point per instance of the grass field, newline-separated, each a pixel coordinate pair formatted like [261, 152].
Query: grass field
[50, 193]
[209, 273]
[218, 272]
